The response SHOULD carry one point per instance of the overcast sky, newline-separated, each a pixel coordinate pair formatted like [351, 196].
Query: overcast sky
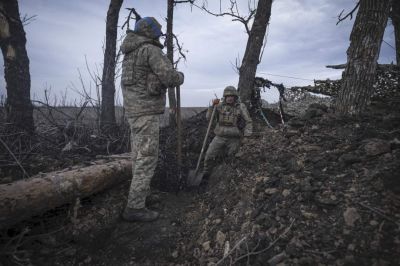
[302, 38]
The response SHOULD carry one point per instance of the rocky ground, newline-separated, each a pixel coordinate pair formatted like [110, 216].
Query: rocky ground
[321, 190]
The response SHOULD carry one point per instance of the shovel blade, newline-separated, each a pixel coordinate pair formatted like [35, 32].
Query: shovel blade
[194, 178]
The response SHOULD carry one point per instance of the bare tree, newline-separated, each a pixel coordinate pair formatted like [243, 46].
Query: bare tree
[255, 24]
[395, 16]
[362, 56]
[170, 53]
[107, 117]
[251, 58]
[19, 109]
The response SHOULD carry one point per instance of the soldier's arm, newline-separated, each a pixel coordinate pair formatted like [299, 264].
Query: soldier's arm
[248, 129]
[162, 67]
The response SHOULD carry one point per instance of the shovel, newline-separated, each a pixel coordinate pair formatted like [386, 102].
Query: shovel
[194, 177]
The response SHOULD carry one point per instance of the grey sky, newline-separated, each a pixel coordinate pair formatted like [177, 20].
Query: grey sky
[302, 38]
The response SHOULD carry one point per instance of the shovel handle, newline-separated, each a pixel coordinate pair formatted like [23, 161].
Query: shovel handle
[205, 138]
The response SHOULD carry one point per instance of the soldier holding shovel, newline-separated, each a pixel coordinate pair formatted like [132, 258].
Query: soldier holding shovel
[227, 133]
[227, 139]
[146, 74]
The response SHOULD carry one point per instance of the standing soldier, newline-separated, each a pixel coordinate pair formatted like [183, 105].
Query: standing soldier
[146, 74]
[227, 132]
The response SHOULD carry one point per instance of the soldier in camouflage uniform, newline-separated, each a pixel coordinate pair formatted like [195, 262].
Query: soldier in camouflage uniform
[227, 132]
[146, 74]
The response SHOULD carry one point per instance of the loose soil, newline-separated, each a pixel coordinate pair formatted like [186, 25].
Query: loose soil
[320, 190]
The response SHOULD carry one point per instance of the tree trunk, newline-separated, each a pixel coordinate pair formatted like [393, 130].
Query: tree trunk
[170, 55]
[19, 109]
[23, 199]
[107, 116]
[396, 24]
[247, 71]
[362, 56]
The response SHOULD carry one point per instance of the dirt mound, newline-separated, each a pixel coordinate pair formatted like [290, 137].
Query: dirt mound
[322, 189]
[193, 133]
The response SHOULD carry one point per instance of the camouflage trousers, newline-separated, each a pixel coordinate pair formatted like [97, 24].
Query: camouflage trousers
[144, 140]
[219, 146]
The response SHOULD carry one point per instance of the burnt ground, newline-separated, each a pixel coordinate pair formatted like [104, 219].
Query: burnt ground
[321, 190]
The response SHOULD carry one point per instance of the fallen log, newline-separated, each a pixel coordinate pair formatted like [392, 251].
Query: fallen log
[23, 199]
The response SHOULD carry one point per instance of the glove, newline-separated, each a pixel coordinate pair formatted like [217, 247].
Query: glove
[181, 77]
[215, 102]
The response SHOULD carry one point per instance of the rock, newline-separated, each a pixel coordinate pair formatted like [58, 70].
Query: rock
[373, 223]
[220, 238]
[349, 158]
[217, 221]
[69, 146]
[271, 191]
[351, 216]
[206, 246]
[291, 133]
[227, 248]
[375, 147]
[277, 258]
[308, 148]
[286, 192]
[309, 215]
[175, 254]
[197, 253]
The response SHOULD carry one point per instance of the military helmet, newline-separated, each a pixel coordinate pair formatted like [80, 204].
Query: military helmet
[149, 27]
[230, 91]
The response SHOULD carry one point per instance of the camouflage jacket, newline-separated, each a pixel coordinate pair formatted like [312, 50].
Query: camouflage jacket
[146, 74]
[227, 117]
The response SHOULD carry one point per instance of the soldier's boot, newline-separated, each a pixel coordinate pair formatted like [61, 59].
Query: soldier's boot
[139, 215]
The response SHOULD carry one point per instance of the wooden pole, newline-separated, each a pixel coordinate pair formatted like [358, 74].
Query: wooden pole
[179, 129]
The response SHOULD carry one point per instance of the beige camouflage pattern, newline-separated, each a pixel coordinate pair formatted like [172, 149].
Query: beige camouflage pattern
[144, 139]
[146, 74]
[227, 133]
[227, 116]
[217, 146]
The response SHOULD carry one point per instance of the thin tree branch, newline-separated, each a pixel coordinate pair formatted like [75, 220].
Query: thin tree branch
[15, 158]
[234, 13]
[132, 11]
[269, 246]
[180, 47]
[350, 14]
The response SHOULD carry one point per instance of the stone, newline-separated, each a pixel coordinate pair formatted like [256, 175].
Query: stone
[375, 147]
[286, 192]
[349, 158]
[175, 254]
[227, 248]
[309, 215]
[271, 191]
[206, 246]
[309, 148]
[220, 238]
[373, 223]
[277, 258]
[217, 221]
[351, 216]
